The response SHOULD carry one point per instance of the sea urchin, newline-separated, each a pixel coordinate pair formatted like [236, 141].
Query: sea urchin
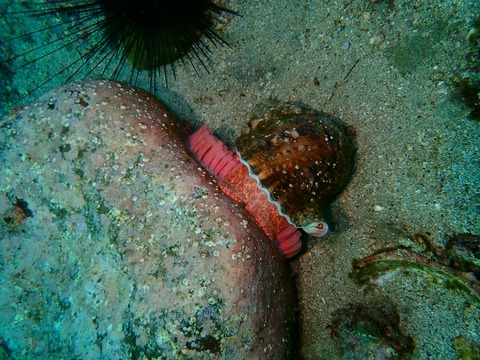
[132, 40]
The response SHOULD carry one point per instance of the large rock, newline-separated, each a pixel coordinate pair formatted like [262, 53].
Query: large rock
[115, 244]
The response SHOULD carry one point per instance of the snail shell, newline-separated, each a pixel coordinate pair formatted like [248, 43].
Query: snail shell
[288, 167]
[302, 158]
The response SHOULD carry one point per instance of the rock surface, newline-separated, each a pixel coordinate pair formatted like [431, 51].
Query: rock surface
[115, 244]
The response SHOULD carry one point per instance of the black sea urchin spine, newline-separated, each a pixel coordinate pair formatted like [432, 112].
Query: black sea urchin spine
[137, 41]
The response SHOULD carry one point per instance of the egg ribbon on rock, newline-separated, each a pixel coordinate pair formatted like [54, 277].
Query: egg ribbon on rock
[286, 170]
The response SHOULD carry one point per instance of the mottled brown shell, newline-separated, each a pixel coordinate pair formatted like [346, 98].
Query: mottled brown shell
[302, 157]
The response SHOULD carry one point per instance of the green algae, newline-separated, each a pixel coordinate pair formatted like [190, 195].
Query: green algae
[375, 270]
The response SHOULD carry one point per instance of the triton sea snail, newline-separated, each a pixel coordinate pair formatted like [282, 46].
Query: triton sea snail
[286, 169]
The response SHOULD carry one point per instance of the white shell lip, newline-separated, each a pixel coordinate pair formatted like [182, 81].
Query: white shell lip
[265, 190]
[318, 228]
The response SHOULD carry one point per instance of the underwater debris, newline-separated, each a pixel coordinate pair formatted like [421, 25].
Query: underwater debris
[370, 330]
[464, 253]
[454, 266]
